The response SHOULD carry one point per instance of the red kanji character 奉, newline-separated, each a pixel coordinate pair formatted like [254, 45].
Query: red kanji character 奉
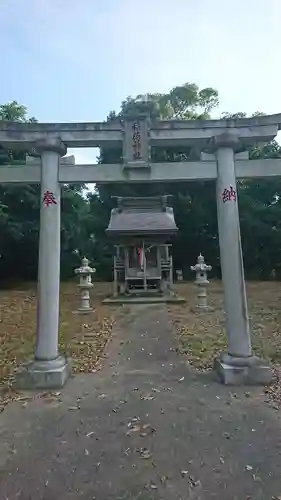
[49, 199]
[229, 194]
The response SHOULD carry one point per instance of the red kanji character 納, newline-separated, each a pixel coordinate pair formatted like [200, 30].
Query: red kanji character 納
[229, 194]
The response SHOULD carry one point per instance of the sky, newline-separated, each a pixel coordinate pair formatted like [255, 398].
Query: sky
[75, 60]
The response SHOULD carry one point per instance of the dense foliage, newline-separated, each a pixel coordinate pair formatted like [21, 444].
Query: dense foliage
[85, 217]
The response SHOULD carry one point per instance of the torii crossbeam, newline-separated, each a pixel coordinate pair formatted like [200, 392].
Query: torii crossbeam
[219, 153]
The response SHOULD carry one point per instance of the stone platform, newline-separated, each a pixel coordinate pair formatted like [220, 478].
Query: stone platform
[144, 300]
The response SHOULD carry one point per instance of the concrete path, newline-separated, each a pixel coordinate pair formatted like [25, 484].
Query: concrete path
[144, 427]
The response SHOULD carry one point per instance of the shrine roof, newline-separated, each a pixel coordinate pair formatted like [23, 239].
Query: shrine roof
[144, 216]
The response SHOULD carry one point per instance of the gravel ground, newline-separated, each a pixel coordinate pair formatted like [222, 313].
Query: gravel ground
[145, 426]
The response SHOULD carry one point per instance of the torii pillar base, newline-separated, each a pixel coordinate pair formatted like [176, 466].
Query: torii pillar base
[51, 374]
[242, 371]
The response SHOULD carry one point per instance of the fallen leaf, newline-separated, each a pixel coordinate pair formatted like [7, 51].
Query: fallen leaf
[249, 467]
[144, 453]
[193, 481]
[135, 428]
[184, 473]
[147, 398]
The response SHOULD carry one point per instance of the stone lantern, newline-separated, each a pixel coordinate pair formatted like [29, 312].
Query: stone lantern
[85, 284]
[201, 269]
[179, 274]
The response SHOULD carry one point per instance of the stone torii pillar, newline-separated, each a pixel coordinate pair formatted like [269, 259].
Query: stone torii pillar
[238, 365]
[49, 369]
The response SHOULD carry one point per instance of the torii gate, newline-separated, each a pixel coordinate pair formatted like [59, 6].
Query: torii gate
[220, 150]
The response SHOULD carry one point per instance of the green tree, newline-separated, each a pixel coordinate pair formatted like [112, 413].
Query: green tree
[85, 218]
[260, 214]
[196, 224]
[195, 203]
[15, 112]
[20, 213]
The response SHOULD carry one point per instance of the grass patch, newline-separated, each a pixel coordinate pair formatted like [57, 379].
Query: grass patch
[202, 335]
[83, 337]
